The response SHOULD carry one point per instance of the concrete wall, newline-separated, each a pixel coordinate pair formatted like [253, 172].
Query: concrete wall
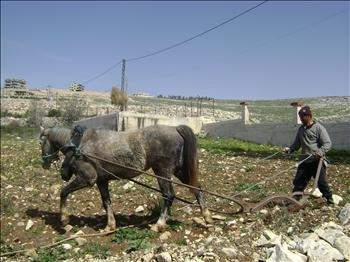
[129, 120]
[275, 134]
[106, 122]
[136, 121]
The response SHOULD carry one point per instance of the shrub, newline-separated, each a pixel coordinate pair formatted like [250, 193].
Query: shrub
[35, 114]
[118, 97]
[72, 109]
[54, 113]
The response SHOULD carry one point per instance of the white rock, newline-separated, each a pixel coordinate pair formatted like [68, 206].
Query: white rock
[66, 246]
[28, 189]
[20, 224]
[229, 252]
[344, 214]
[165, 236]
[81, 241]
[148, 257]
[232, 222]
[343, 245]
[317, 193]
[290, 230]
[337, 199]
[264, 211]
[282, 254]
[8, 187]
[304, 243]
[128, 185]
[79, 233]
[187, 210]
[68, 228]
[320, 251]
[329, 234]
[163, 257]
[30, 223]
[199, 221]
[139, 209]
[263, 242]
[331, 225]
[218, 217]
[208, 241]
[200, 251]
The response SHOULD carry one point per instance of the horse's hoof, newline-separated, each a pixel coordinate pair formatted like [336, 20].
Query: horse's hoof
[109, 229]
[157, 227]
[207, 217]
[64, 219]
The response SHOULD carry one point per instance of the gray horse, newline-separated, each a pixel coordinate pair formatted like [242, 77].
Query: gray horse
[52, 141]
[167, 150]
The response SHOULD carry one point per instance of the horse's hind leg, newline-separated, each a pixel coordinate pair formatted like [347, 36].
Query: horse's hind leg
[107, 204]
[76, 184]
[205, 211]
[168, 195]
[199, 197]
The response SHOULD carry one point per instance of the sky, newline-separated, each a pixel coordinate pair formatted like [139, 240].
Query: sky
[279, 50]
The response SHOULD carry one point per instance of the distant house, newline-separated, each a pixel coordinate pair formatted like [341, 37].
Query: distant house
[15, 83]
[76, 87]
[141, 94]
[15, 88]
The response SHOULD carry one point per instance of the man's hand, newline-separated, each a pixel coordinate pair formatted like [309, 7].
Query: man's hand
[286, 150]
[318, 155]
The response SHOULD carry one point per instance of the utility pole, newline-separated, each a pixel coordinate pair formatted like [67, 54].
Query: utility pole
[213, 107]
[123, 82]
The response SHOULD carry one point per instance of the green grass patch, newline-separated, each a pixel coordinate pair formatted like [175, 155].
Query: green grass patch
[231, 146]
[97, 250]
[135, 238]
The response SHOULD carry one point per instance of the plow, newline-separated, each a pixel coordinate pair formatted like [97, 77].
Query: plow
[244, 206]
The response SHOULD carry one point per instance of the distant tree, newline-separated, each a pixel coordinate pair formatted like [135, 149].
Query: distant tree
[118, 97]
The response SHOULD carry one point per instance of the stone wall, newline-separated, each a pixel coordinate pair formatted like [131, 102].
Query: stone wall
[275, 134]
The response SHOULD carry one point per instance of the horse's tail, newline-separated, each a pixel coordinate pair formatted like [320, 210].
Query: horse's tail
[190, 160]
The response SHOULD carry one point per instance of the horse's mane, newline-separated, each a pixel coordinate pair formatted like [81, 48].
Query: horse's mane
[59, 134]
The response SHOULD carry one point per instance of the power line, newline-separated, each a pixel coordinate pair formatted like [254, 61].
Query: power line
[177, 44]
[197, 35]
[103, 73]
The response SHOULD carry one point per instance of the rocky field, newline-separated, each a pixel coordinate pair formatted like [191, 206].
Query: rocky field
[30, 204]
[325, 109]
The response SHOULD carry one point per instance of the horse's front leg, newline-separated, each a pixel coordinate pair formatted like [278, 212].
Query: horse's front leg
[85, 176]
[74, 185]
[107, 204]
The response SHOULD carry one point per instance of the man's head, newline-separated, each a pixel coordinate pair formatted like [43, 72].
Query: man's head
[305, 115]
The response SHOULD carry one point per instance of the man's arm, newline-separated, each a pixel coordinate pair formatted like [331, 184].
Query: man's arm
[324, 142]
[296, 144]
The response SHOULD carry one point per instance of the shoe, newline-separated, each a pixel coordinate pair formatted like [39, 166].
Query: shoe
[330, 201]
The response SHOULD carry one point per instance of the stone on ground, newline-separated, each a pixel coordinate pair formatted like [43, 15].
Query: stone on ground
[282, 254]
[344, 214]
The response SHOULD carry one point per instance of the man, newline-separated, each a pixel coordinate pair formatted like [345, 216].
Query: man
[314, 140]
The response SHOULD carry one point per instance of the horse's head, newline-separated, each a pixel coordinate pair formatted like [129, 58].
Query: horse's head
[49, 152]
[70, 151]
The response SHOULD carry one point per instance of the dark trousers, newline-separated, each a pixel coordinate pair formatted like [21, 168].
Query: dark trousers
[305, 172]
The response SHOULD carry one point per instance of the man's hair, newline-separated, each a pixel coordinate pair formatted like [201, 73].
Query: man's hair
[305, 111]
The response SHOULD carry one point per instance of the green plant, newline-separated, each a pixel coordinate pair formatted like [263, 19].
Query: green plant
[35, 114]
[181, 241]
[98, 250]
[137, 239]
[72, 109]
[54, 113]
